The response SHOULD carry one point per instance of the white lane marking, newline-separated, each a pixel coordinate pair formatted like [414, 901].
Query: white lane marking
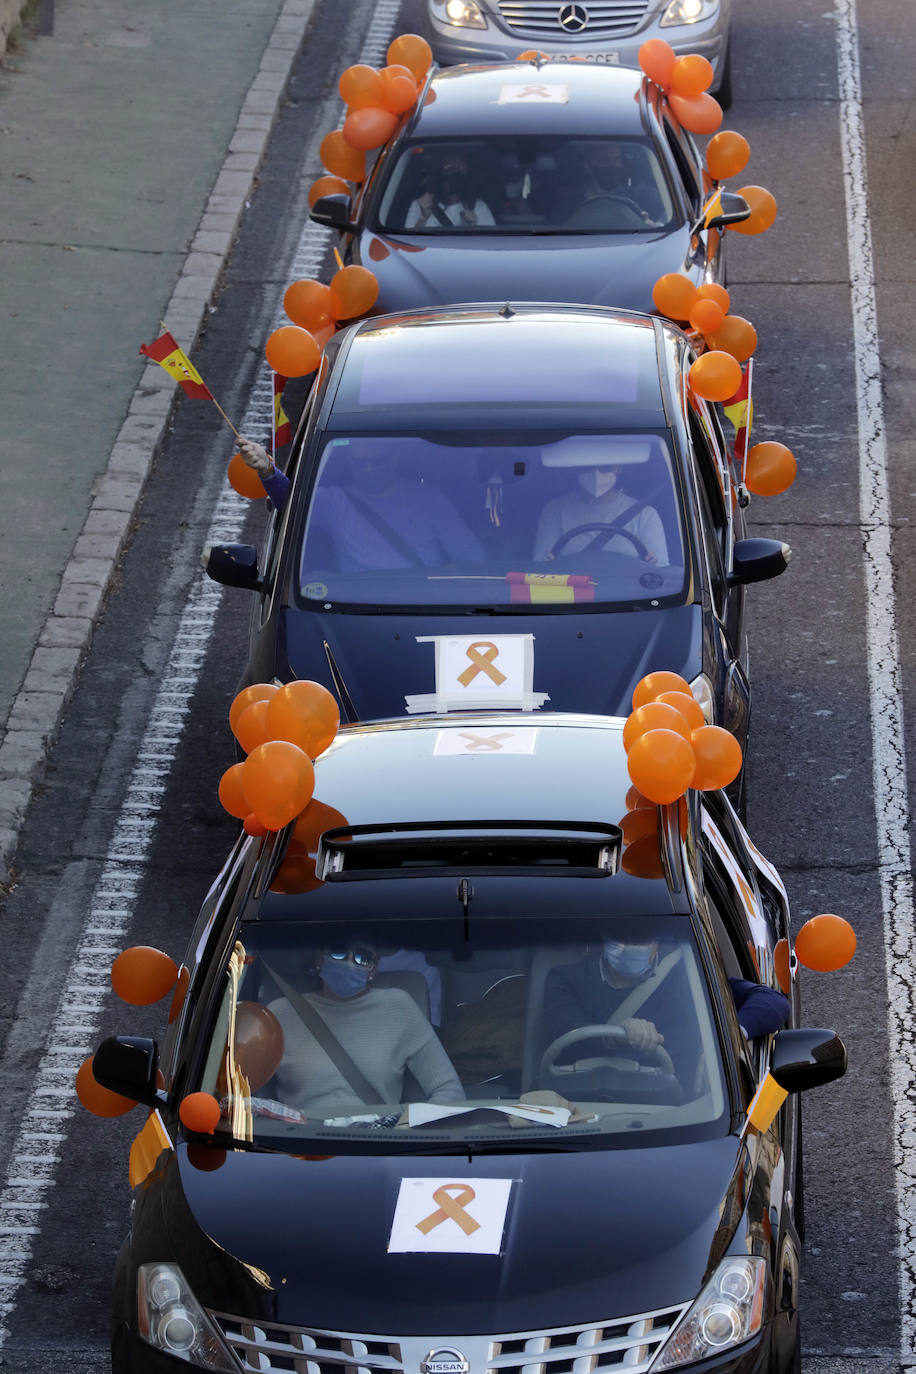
[80, 1009]
[888, 750]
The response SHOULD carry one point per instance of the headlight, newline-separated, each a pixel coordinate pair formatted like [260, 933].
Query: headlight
[729, 1311]
[464, 14]
[702, 691]
[688, 12]
[171, 1319]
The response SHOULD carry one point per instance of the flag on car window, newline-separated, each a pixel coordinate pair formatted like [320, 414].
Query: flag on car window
[712, 208]
[556, 587]
[740, 411]
[283, 430]
[766, 1102]
[167, 354]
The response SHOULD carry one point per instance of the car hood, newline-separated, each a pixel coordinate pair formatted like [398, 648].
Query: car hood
[614, 269]
[587, 1236]
[588, 662]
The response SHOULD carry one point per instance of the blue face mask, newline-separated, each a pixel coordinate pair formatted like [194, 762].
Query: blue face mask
[631, 962]
[342, 977]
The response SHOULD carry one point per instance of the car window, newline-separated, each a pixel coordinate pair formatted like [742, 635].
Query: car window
[526, 184]
[543, 519]
[494, 1031]
[687, 164]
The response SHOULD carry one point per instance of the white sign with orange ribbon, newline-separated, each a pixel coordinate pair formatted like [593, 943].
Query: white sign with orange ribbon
[450, 1216]
[480, 743]
[534, 93]
[475, 673]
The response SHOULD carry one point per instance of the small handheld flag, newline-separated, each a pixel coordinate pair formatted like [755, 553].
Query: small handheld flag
[283, 430]
[167, 354]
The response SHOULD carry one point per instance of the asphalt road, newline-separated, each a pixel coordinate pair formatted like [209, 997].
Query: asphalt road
[814, 807]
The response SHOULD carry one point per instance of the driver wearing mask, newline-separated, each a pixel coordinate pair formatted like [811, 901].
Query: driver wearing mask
[597, 500]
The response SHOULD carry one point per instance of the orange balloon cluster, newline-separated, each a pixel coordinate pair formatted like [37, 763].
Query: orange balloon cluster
[294, 350]
[376, 100]
[705, 308]
[667, 750]
[686, 80]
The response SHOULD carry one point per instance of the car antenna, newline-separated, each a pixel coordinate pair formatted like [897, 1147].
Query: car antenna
[507, 312]
[345, 699]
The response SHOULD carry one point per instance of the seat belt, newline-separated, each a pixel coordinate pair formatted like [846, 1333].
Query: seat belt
[644, 990]
[390, 536]
[328, 1041]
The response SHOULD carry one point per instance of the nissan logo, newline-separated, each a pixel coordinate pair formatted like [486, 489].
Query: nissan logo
[573, 18]
[445, 1361]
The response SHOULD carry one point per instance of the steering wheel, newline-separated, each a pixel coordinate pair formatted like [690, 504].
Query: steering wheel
[581, 216]
[551, 1069]
[602, 526]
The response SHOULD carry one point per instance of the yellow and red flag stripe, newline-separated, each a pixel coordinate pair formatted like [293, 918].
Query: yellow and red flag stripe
[712, 208]
[283, 430]
[167, 354]
[550, 587]
[740, 411]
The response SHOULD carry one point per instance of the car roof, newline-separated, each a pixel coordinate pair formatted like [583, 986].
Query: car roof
[561, 97]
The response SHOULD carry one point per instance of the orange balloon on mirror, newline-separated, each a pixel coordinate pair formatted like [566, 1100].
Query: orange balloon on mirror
[231, 796]
[292, 351]
[643, 858]
[727, 154]
[653, 684]
[712, 291]
[142, 975]
[715, 376]
[328, 186]
[258, 1043]
[654, 715]
[718, 756]
[411, 51]
[258, 691]
[635, 825]
[354, 290]
[399, 89]
[661, 764]
[96, 1099]
[278, 779]
[199, 1112]
[340, 158]
[674, 295]
[314, 821]
[657, 59]
[770, 469]
[306, 714]
[369, 128]
[244, 479]
[705, 315]
[308, 303]
[687, 704]
[735, 335]
[691, 75]
[781, 965]
[251, 728]
[825, 943]
[698, 114]
[360, 86]
[763, 210]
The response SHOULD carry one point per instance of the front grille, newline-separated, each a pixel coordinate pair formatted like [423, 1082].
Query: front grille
[541, 19]
[627, 1344]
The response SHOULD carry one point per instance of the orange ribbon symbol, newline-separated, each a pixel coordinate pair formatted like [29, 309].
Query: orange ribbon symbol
[451, 1207]
[538, 92]
[490, 743]
[482, 663]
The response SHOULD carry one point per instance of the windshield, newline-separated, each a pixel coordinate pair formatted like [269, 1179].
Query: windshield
[493, 1032]
[482, 519]
[529, 184]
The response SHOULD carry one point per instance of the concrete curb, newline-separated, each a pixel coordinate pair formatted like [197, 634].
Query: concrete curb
[53, 671]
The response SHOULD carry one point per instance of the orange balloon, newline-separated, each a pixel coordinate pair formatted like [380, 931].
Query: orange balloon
[258, 1043]
[643, 858]
[308, 304]
[763, 210]
[96, 1099]
[735, 335]
[292, 351]
[181, 991]
[328, 186]
[253, 827]
[354, 290]
[770, 469]
[661, 764]
[296, 874]
[322, 335]
[142, 975]
[715, 376]
[825, 943]
[314, 821]
[651, 686]
[360, 87]
[258, 691]
[657, 59]
[727, 154]
[655, 715]
[699, 114]
[244, 479]
[369, 128]
[674, 294]
[781, 965]
[635, 825]
[718, 756]
[199, 1112]
[306, 714]
[712, 291]
[252, 729]
[231, 795]
[278, 779]
[399, 89]
[635, 801]
[691, 75]
[705, 315]
[411, 51]
[687, 704]
[340, 158]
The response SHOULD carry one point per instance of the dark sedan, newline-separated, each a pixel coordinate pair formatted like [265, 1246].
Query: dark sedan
[564, 182]
[484, 1094]
[502, 508]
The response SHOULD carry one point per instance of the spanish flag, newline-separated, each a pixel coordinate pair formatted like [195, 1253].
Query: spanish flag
[283, 430]
[167, 354]
[550, 587]
[740, 411]
[712, 208]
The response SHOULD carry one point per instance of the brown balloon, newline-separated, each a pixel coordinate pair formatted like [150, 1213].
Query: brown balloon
[258, 1043]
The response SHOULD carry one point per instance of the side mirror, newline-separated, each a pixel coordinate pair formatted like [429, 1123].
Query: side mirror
[807, 1059]
[734, 209]
[129, 1065]
[335, 212]
[235, 565]
[756, 560]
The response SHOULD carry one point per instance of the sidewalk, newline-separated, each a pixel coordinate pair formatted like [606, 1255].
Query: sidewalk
[129, 141]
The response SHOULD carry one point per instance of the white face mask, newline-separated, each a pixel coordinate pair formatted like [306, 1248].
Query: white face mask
[597, 483]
